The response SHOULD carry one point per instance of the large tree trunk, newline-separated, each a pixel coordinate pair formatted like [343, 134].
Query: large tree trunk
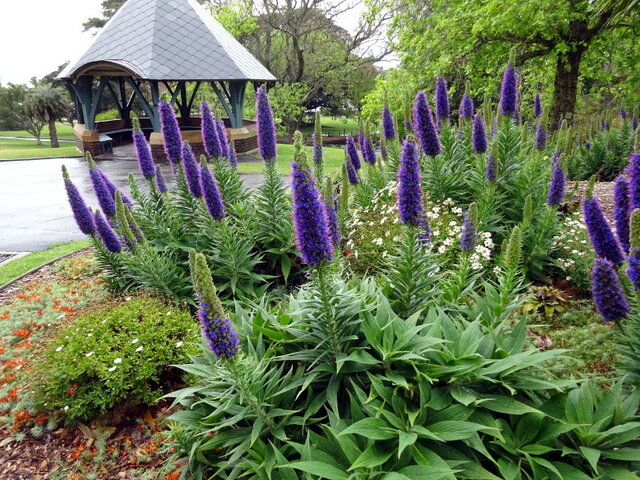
[565, 86]
[53, 134]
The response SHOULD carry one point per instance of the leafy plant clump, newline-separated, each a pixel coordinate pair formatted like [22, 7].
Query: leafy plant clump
[113, 355]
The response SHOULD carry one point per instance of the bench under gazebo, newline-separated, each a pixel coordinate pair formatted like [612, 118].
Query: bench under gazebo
[151, 47]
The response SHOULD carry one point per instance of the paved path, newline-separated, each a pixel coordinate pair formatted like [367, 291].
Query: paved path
[34, 211]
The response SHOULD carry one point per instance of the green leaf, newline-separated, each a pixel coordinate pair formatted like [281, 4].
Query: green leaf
[592, 455]
[452, 430]
[319, 469]
[406, 439]
[625, 454]
[373, 428]
[503, 404]
[372, 457]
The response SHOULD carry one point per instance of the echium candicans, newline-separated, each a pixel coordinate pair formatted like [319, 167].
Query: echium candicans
[466, 107]
[409, 194]
[368, 151]
[160, 182]
[388, 125]
[352, 174]
[622, 210]
[312, 231]
[215, 325]
[610, 300]
[509, 92]
[557, 184]
[233, 156]
[634, 180]
[113, 189]
[541, 138]
[490, 168]
[224, 141]
[469, 226]
[424, 126]
[211, 193]
[331, 207]
[478, 135]
[442, 99]
[352, 152]
[634, 250]
[209, 131]
[317, 152]
[143, 152]
[81, 212]
[105, 197]
[537, 106]
[623, 113]
[109, 238]
[602, 238]
[266, 127]
[170, 133]
[191, 170]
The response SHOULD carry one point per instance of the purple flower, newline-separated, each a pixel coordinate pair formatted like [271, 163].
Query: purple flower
[368, 152]
[388, 125]
[233, 157]
[557, 184]
[170, 133]
[634, 181]
[537, 106]
[587, 145]
[442, 99]
[623, 113]
[332, 218]
[317, 152]
[113, 189]
[224, 142]
[105, 197]
[409, 195]
[106, 234]
[478, 135]
[468, 235]
[424, 127]
[191, 170]
[634, 267]
[145, 162]
[352, 174]
[160, 183]
[266, 127]
[352, 153]
[466, 107]
[425, 230]
[603, 125]
[219, 333]
[602, 239]
[541, 138]
[211, 194]
[81, 212]
[634, 124]
[209, 131]
[408, 127]
[622, 211]
[509, 92]
[490, 168]
[608, 296]
[313, 234]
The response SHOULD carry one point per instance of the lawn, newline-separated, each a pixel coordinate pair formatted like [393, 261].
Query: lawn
[335, 125]
[333, 158]
[22, 265]
[15, 149]
[65, 132]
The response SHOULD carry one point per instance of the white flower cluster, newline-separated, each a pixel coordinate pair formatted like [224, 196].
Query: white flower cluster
[572, 241]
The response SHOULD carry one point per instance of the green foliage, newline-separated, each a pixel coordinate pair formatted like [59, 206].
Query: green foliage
[547, 300]
[113, 355]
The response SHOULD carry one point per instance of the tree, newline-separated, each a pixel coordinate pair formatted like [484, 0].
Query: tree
[45, 103]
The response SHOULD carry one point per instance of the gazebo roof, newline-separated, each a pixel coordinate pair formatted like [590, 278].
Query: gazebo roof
[170, 40]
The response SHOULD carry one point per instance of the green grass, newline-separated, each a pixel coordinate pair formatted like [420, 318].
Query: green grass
[22, 265]
[333, 159]
[65, 132]
[338, 125]
[13, 149]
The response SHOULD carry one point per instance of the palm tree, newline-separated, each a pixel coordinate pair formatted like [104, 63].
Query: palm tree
[47, 103]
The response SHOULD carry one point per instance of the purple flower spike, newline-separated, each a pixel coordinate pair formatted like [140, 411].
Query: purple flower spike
[106, 234]
[113, 189]
[622, 211]
[105, 197]
[388, 125]
[634, 181]
[468, 235]
[266, 127]
[442, 99]
[466, 107]
[490, 168]
[587, 145]
[634, 124]
[317, 151]
[541, 138]
[209, 131]
[233, 157]
[602, 239]
[313, 234]
[608, 296]
[224, 141]
[218, 332]
[479, 135]
[509, 92]
[331, 208]
[170, 133]
[211, 194]
[408, 127]
[556, 187]
[352, 174]
[368, 152]
[634, 267]
[145, 161]
[81, 212]
[191, 171]
[160, 183]
[409, 193]
[424, 127]
[352, 152]
[537, 106]
[623, 113]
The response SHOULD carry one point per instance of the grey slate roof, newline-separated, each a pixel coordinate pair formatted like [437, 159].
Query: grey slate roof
[170, 40]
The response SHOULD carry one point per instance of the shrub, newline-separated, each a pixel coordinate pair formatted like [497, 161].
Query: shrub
[114, 354]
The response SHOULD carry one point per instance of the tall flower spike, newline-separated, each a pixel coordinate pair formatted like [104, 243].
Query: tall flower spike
[113, 189]
[541, 138]
[607, 292]
[621, 210]
[468, 235]
[634, 180]
[170, 133]
[623, 113]
[106, 234]
[209, 131]
[352, 153]
[331, 207]
[266, 127]
[317, 152]
[160, 182]
[557, 184]
[424, 127]
[368, 152]
[509, 92]
[409, 195]
[634, 250]
[479, 135]
[216, 327]
[602, 239]
[233, 156]
[490, 168]
[81, 212]
[313, 235]
[442, 99]
[105, 197]
[191, 171]
[143, 152]
[513, 249]
[211, 194]
[388, 125]
[466, 107]
[224, 141]
[352, 174]
[537, 106]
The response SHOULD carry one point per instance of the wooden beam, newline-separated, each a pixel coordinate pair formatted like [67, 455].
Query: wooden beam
[193, 95]
[223, 100]
[95, 103]
[151, 112]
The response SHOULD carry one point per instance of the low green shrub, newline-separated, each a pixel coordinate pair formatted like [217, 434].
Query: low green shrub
[114, 354]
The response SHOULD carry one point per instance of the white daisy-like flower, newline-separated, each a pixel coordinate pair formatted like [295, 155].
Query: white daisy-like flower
[112, 368]
[103, 321]
[117, 360]
[442, 249]
[89, 334]
[179, 344]
[139, 349]
[66, 407]
[59, 348]
[135, 340]
[127, 299]
[88, 354]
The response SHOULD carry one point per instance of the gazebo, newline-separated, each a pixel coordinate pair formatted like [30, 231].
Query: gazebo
[171, 45]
